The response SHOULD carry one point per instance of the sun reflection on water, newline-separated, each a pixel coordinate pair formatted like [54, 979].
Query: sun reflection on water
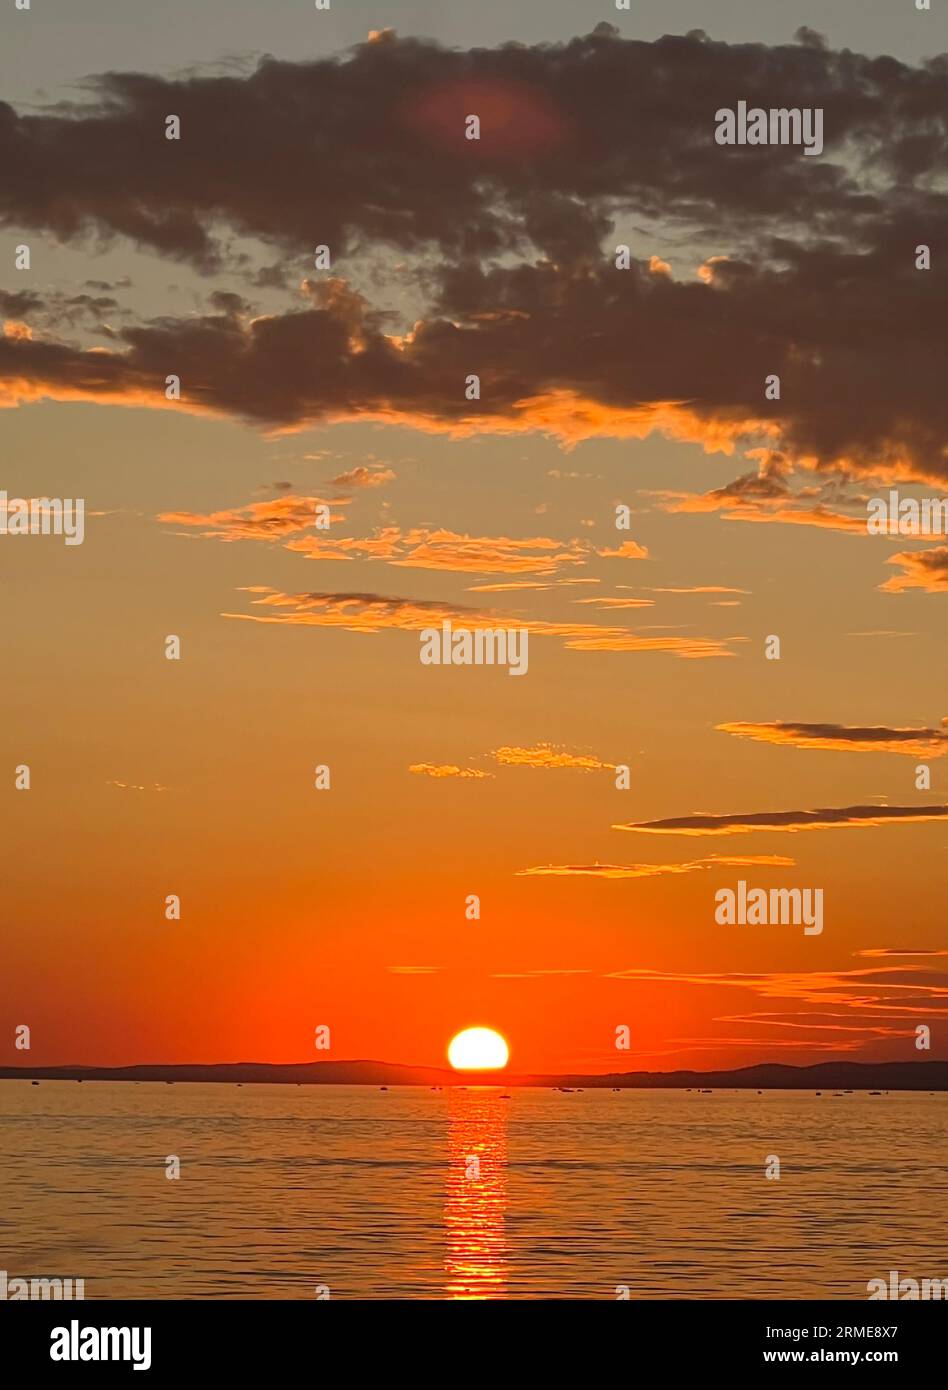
[475, 1257]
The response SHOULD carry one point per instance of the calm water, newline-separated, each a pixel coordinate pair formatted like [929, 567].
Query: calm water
[284, 1188]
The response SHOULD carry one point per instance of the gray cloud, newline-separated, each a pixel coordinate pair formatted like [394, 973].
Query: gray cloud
[827, 818]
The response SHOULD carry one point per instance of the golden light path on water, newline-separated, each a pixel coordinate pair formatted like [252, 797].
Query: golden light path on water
[475, 1254]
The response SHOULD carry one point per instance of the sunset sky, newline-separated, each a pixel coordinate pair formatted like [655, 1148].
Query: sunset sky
[600, 387]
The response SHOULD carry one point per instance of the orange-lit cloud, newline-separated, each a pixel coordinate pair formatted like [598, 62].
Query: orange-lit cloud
[136, 787]
[598, 870]
[921, 569]
[701, 589]
[605, 870]
[376, 612]
[416, 548]
[628, 550]
[544, 755]
[617, 603]
[736, 504]
[890, 991]
[538, 587]
[257, 521]
[447, 770]
[835, 1011]
[445, 550]
[845, 738]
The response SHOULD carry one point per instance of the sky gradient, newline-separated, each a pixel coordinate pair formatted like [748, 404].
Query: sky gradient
[600, 387]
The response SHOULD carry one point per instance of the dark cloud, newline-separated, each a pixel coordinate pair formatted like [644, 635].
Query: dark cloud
[571, 353]
[372, 146]
[826, 818]
[19, 302]
[104, 286]
[898, 951]
[57, 310]
[368, 151]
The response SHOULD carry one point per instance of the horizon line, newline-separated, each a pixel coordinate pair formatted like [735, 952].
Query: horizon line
[406, 1074]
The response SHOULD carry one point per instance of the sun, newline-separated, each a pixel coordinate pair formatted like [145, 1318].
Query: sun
[478, 1049]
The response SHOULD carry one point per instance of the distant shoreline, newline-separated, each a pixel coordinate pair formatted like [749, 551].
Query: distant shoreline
[770, 1076]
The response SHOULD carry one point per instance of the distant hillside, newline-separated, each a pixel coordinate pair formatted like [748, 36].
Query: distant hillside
[856, 1076]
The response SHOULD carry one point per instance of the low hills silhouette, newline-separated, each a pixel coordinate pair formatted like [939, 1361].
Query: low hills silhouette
[856, 1076]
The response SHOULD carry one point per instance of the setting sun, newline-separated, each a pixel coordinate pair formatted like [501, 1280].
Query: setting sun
[478, 1049]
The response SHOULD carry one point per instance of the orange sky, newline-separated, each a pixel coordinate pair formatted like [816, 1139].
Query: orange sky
[300, 646]
[347, 907]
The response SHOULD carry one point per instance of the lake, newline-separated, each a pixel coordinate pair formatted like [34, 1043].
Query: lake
[412, 1193]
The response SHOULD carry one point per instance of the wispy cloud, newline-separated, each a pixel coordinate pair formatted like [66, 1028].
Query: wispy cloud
[845, 738]
[827, 818]
[447, 770]
[616, 603]
[889, 991]
[136, 786]
[365, 477]
[597, 870]
[764, 498]
[272, 520]
[288, 519]
[905, 951]
[700, 589]
[367, 612]
[534, 974]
